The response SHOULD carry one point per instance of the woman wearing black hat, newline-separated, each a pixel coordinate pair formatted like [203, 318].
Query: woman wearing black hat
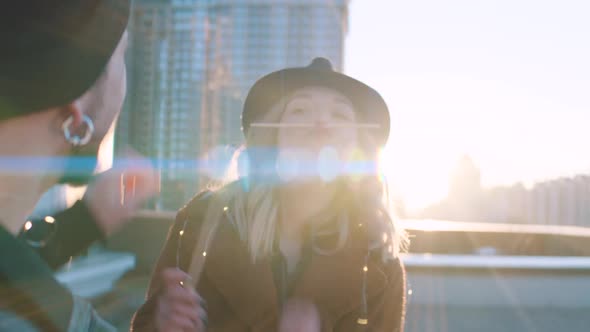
[305, 222]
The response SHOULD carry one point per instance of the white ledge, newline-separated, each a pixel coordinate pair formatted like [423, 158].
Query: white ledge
[497, 262]
[434, 225]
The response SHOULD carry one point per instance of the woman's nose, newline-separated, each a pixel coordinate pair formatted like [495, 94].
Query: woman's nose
[322, 119]
[321, 123]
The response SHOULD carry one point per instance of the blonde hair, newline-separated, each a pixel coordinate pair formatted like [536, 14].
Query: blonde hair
[253, 208]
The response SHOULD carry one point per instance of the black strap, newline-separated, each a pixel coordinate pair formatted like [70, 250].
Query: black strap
[71, 232]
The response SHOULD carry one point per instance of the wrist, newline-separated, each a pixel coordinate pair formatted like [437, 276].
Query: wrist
[106, 218]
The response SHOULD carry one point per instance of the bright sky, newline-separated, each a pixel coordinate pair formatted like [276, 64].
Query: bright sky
[506, 81]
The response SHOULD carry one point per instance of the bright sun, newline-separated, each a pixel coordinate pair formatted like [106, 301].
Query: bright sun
[419, 179]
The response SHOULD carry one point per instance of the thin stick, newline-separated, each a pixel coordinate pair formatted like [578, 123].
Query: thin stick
[310, 125]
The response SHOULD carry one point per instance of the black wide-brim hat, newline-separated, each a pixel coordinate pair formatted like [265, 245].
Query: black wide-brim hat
[268, 90]
[54, 51]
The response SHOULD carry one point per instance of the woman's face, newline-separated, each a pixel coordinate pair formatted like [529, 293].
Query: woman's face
[323, 122]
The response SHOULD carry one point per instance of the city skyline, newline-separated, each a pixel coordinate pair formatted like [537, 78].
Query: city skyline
[508, 128]
[560, 201]
[503, 81]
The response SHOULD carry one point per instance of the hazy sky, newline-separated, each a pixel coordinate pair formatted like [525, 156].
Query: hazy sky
[506, 81]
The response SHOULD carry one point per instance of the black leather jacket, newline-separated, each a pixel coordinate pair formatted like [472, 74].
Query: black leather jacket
[71, 232]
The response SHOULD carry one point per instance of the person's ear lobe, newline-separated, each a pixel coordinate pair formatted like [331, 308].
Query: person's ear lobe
[73, 110]
[77, 127]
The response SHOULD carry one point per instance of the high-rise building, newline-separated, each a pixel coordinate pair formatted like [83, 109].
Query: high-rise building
[165, 69]
[191, 63]
[539, 207]
[250, 38]
[582, 200]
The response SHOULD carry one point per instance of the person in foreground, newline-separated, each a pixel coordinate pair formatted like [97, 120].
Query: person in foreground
[302, 240]
[62, 84]
[59, 237]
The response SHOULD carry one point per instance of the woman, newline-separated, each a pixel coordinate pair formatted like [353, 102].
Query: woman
[62, 84]
[305, 221]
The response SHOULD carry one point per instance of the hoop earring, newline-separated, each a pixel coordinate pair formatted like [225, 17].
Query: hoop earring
[77, 140]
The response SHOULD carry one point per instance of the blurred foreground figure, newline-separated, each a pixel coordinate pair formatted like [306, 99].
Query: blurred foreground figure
[306, 221]
[110, 200]
[62, 84]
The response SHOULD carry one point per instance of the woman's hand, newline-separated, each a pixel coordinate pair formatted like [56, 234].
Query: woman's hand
[179, 307]
[115, 195]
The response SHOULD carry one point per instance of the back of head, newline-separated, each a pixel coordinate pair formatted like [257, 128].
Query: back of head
[54, 51]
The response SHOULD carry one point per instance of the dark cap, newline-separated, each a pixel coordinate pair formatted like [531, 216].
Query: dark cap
[54, 50]
[267, 91]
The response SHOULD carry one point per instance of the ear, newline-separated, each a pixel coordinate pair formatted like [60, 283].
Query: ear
[73, 115]
[74, 110]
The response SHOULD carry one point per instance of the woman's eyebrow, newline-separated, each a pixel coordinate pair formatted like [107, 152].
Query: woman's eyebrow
[341, 100]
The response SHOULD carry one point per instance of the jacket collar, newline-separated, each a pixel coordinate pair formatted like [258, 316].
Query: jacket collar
[332, 282]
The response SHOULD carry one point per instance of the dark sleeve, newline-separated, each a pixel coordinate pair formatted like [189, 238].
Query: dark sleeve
[28, 288]
[386, 311]
[73, 231]
[144, 318]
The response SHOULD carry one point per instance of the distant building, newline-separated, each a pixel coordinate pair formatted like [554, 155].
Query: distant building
[564, 201]
[191, 63]
[465, 193]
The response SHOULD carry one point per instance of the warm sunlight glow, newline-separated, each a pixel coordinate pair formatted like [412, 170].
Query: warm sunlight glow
[412, 178]
[457, 83]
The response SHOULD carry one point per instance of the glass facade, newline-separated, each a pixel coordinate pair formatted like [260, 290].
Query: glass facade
[165, 70]
[191, 64]
[253, 38]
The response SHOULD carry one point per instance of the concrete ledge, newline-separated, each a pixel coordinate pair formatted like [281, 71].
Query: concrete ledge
[561, 263]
